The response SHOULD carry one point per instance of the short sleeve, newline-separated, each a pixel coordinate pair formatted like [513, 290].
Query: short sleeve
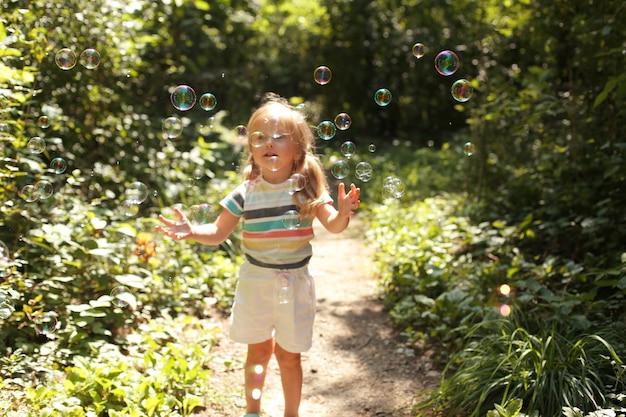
[234, 201]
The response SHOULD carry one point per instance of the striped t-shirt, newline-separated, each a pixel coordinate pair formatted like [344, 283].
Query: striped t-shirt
[270, 235]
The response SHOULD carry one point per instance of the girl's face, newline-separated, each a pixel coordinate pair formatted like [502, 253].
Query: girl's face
[274, 149]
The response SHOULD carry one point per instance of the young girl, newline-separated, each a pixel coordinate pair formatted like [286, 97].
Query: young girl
[284, 189]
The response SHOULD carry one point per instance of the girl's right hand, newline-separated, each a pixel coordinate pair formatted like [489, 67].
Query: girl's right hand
[179, 229]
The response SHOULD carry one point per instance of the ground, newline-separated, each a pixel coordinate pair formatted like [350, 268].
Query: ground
[359, 365]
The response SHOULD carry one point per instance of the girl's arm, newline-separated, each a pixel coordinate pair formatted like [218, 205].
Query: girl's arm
[336, 220]
[207, 234]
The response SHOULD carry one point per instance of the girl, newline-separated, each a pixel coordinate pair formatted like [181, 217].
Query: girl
[284, 189]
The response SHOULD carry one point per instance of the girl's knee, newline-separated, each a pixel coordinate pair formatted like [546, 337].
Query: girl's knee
[260, 353]
[285, 358]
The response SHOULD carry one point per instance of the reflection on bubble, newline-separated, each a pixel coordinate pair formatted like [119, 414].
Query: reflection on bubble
[446, 63]
[322, 75]
[274, 163]
[393, 187]
[200, 214]
[121, 295]
[129, 208]
[65, 59]
[43, 122]
[296, 183]
[136, 192]
[326, 130]
[172, 127]
[343, 121]
[419, 50]
[183, 97]
[348, 149]
[371, 147]
[363, 171]
[242, 131]
[340, 169]
[46, 323]
[382, 97]
[89, 58]
[58, 165]
[27, 193]
[208, 101]
[462, 90]
[291, 219]
[468, 149]
[256, 139]
[43, 189]
[36, 145]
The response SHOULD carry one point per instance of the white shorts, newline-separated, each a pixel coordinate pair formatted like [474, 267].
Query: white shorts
[274, 303]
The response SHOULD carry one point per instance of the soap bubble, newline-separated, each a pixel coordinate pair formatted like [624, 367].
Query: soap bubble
[65, 59]
[393, 187]
[208, 101]
[46, 323]
[44, 122]
[446, 63]
[291, 219]
[6, 306]
[382, 97]
[168, 212]
[468, 149]
[340, 169]
[322, 75]
[36, 145]
[129, 208]
[297, 182]
[343, 121]
[326, 130]
[256, 139]
[363, 171]
[58, 165]
[172, 127]
[43, 189]
[348, 149]
[419, 50]
[136, 192]
[27, 193]
[462, 90]
[121, 295]
[183, 97]
[89, 58]
[242, 131]
[274, 162]
[371, 147]
[200, 214]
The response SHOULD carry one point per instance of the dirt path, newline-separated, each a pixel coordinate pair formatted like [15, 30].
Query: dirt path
[358, 366]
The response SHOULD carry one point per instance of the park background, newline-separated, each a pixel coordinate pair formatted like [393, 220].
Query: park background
[537, 208]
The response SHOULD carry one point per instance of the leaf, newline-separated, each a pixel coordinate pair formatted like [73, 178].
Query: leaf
[3, 32]
[130, 280]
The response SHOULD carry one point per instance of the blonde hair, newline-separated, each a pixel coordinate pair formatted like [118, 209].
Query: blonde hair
[308, 164]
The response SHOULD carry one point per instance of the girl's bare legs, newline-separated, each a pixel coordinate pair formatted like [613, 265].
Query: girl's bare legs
[291, 377]
[259, 355]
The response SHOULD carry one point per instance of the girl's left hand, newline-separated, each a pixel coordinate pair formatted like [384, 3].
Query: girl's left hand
[348, 202]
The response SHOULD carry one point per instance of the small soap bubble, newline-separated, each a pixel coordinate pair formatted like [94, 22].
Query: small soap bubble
[322, 75]
[297, 182]
[393, 187]
[27, 193]
[208, 101]
[468, 149]
[274, 163]
[371, 148]
[211, 122]
[190, 182]
[200, 214]
[172, 127]
[363, 171]
[183, 97]
[462, 90]
[58, 165]
[256, 139]
[446, 63]
[242, 131]
[340, 169]
[382, 97]
[43, 189]
[348, 149]
[343, 121]
[89, 58]
[198, 173]
[43, 122]
[291, 219]
[326, 130]
[65, 59]
[36, 145]
[136, 192]
[419, 50]
[46, 323]
[121, 295]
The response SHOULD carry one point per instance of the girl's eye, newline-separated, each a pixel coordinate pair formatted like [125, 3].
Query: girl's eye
[278, 136]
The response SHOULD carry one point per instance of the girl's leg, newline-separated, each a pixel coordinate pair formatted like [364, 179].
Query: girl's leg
[259, 355]
[291, 377]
